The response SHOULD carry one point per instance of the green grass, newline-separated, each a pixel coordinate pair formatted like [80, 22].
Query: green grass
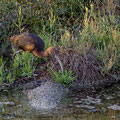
[65, 77]
[23, 65]
[77, 23]
[5, 73]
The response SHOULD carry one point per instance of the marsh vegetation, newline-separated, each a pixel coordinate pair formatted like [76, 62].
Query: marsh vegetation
[82, 25]
[86, 34]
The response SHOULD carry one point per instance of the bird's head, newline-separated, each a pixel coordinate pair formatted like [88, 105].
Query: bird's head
[51, 50]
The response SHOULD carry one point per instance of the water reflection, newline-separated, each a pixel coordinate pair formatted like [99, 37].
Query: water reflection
[105, 105]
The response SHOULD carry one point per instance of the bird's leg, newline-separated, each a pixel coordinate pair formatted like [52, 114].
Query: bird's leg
[32, 68]
[60, 63]
[35, 81]
[17, 53]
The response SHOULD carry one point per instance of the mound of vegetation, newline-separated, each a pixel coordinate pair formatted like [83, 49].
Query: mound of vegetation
[86, 69]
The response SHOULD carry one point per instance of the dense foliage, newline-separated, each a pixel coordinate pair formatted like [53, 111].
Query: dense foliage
[81, 24]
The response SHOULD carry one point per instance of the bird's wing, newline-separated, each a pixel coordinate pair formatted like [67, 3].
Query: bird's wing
[25, 43]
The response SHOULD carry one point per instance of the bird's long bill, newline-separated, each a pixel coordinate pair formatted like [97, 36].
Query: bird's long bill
[60, 63]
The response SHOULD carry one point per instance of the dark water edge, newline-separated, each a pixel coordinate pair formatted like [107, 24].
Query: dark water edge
[103, 105]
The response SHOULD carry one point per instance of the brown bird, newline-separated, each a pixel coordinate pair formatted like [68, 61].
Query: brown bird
[31, 43]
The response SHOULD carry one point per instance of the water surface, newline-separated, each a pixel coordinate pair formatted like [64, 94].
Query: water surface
[103, 105]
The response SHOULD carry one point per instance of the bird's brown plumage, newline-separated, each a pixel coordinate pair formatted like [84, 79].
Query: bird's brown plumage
[29, 42]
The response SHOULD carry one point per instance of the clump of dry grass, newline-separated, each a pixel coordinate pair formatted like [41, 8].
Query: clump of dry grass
[86, 68]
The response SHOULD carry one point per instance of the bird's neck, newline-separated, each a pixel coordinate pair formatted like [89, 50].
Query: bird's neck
[45, 53]
[41, 54]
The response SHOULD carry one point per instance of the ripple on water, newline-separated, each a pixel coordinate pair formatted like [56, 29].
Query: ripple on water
[114, 107]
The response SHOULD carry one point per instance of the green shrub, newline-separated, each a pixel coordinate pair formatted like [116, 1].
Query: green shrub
[23, 66]
[5, 73]
[64, 78]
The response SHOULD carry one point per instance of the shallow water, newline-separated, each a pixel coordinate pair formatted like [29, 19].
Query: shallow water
[103, 105]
